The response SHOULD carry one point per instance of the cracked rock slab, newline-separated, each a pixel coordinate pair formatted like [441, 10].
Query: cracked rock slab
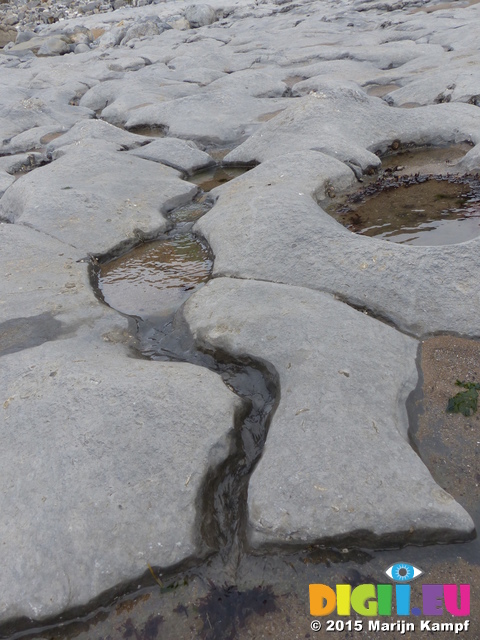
[102, 460]
[120, 199]
[337, 463]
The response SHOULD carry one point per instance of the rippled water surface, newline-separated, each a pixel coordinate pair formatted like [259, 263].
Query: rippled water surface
[156, 277]
[434, 212]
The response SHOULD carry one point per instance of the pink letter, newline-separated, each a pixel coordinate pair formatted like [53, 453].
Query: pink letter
[450, 595]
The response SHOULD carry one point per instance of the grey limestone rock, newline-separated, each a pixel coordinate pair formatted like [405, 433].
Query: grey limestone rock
[279, 233]
[45, 277]
[102, 460]
[97, 129]
[178, 22]
[5, 181]
[120, 200]
[210, 116]
[179, 154]
[23, 36]
[470, 163]
[349, 125]
[55, 46]
[31, 138]
[254, 82]
[81, 48]
[111, 38]
[151, 26]
[200, 15]
[337, 463]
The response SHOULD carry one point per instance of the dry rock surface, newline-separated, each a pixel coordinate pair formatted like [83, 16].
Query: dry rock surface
[105, 109]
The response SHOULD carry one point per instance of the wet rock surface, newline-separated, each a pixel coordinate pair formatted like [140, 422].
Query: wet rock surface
[102, 209]
[75, 470]
[105, 109]
[344, 379]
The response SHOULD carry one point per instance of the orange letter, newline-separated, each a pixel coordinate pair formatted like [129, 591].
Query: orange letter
[322, 600]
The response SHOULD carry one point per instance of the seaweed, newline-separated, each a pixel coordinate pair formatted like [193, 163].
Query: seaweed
[225, 609]
[465, 402]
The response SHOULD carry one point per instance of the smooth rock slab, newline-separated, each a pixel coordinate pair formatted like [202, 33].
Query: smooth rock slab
[267, 225]
[94, 199]
[337, 462]
[43, 277]
[97, 129]
[179, 154]
[211, 116]
[5, 181]
[102, 460]
[351, 126]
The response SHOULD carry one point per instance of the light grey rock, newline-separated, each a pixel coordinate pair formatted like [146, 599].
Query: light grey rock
[340, 70]
[152, 26]
[449, 85]
[102, 460]
[254, 82]
[31, 139]
[187, 71]
[337, 462]
[97, 129]
[120, 200]
[211, 116]
[17, 162]
[323, 84]
[49, 46]
[21, 114]
[200, 15]
[116, 99]
[81, 48]
[54, 46]
[23, 36]
[79, 35]
[5, 181]
[351, 126]
[127, 64]
[277, 232]
[43, 278]
[178, 22]
[470, 163]
[111, 38]
[179, 154]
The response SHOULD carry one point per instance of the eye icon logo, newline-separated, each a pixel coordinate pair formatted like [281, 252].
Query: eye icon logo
[403, 572]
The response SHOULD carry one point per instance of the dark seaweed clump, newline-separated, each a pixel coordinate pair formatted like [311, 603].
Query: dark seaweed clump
[224, 609]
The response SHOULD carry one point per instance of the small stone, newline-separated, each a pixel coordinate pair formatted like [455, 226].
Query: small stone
[81, 48]
[200, 15]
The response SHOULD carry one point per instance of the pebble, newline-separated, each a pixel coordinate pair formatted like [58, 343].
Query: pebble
[19, 19]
